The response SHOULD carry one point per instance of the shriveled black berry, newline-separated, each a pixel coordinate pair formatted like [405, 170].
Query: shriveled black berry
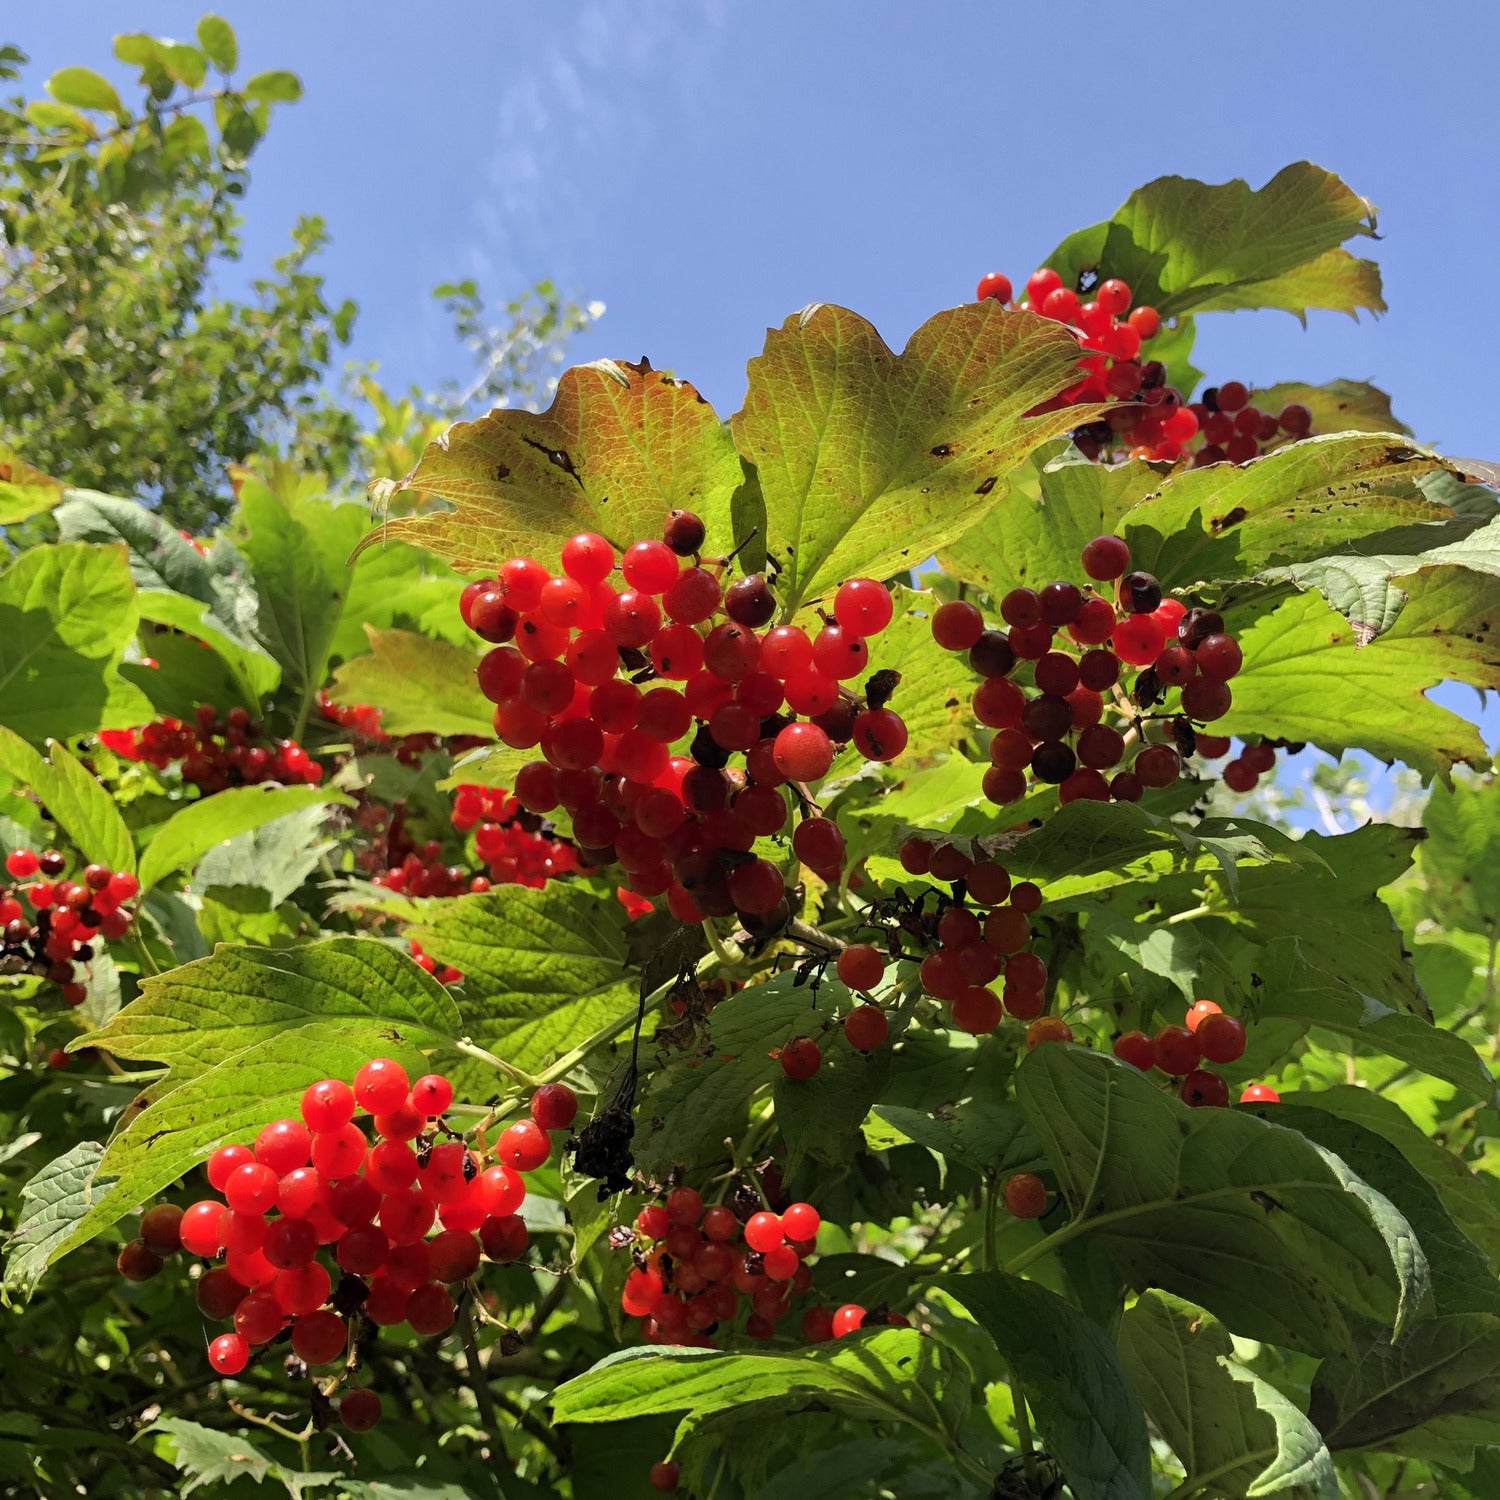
[1140, 593]
[684, 533]
[1197, 625]
[1148, 689]
[707, 751]
[749, 601]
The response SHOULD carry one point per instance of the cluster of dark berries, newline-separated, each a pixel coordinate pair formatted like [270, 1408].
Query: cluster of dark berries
[216, 753]
[644, 770]
[1056, 732]
[319, 1187]
[1206, 1035]
[68, 921]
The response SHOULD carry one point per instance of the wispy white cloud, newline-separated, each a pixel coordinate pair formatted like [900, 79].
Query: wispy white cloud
[570, 114]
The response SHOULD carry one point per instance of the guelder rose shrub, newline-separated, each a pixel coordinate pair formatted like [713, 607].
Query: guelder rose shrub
[767, 956]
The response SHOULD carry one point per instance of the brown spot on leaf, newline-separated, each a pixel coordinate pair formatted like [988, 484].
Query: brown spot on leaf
[942, 451]
[502, 472]
[986, 485]
[1229, 518]
[558, 457]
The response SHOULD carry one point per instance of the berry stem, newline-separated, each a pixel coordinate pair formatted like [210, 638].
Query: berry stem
[991, 1195]
[499, 1064]
[477, 1381]
[753, 1178]
[717, 944]
[1023, 1431]
[1190, 915]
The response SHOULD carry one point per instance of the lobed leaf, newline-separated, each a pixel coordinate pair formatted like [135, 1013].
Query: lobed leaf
[420, 684]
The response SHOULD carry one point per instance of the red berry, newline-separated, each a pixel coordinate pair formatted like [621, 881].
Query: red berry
[318, 1337]
[1177, 1050]
[1222, 1038]
[800, 1058]
[504, 1239]
[228, 1354]
[1138, 639]
[1136, 1048]
[1219, 657]
[360, 1410]
[803, 752]
[1199, 1011]
[298, 1290]
[866, 1027]
[137, 1261]
[850, 1318]
[957, 625]
[431, 1094]
[251, 1188]
[663, 1475]
[161, 1228]
[763, 1232]
[863, 606]
[327, 1105]
[650, 567]
[554, 1106]
[524, 1146]
[880, 734]
[1202, 1089]
[339, 1153]
[993, 284]
[1025, 1195]
[283, 1146]
[588, 558]
[861, 966]
[1260, 1093]
[22, 863]
[800, 1222]
[381, 1086]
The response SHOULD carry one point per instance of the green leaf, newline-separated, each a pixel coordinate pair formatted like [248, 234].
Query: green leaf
[84, 89]
[182, 1126]
[1332, 907]
[1462, 1278]
[1274, 1236]
[1439, 1387]
[1308, 677]
[76, 802]
[180, 842]
[962, 1109]
[1086, 1414]
[51, 116]
[1039, 532]
[298, 556]
[66, 614]
[216, 37]
[1293, 983]
[1336, 405]
[24, 491]
[1186, 246]
[1460, 861]
[394, 584]
[206, 1455]
[195, 1017]
[895, 1374]
[421, 685]
[871, 461]
[102, 982]
[275, 858]
[543, 969]
[1234, 1435]
[694, 1102]
[253, 673]
[274, 88]
[619, 447]
[52, 1204]
[1300, 502]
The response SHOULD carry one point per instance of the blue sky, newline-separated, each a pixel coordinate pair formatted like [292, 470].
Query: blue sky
[705, 167]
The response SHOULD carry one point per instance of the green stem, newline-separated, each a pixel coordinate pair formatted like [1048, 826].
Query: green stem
[1023, 1432]
[1191, 915]
[477, 1381]
[570, 1060]
[499, 1064]
[991, 1197]
[752, 1177]
[717, 943]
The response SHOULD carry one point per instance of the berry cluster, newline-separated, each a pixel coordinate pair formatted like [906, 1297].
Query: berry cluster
[1206, 1035]
[1152, 419]
[319, 1184]
[362, 720]
[696, 1266]
[1057, 734]
[681, 824]
[215, 753]
[980, 932]
[70, 918]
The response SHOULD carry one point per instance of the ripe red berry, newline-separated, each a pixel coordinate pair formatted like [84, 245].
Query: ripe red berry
[1259, 1093]
[763, 1232]
[993, 284]
[229, 1354]
[1177, 1050]
[1025, 1195]
[588, 558]
[800, 1058]
[1136, 1048]
[339, 1153]
[161, 1228]
[861, 966]
[863, 606]
[327, 1105]
[523, 1146]
[879, 734]
[1219, 657]
[1202, 1089]
[554, 1106]
[137, 1261]
[381, 1086]
[684, 532]
[803, 752]
[850, 1318]
[283, 1146]
[251, 1188]
[957, 625]
[866, 1027]
[22, 863]
[663, 1475]
[1232, 395]
[360, 1410]
[749, 601]
[1138, 639]
[1199, 1011]
[318, 1337]
[199, 1229]
[1222, 1038]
